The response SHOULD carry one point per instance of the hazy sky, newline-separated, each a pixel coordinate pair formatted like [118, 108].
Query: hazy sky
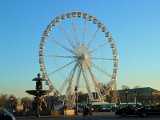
[134, 25]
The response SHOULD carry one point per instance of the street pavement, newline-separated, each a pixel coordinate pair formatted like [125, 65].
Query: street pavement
[97, 116]
[89, 118]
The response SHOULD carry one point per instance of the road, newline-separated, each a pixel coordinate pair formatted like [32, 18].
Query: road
[99, 116]
[89, 118]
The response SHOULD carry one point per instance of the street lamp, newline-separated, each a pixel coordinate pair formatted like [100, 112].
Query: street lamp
[126, 94]
[12, 104]
[147, 101]
[52, 103]
[119, 100]
[76, 100]
[135, 97]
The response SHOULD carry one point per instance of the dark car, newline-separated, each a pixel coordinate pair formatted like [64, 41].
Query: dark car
[148, 110]
[128, 110]
[104, 109]
[6, 115]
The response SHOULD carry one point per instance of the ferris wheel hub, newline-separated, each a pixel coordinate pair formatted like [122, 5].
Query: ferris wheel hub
[84, 56]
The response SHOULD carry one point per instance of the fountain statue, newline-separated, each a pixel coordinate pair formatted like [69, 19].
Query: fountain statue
[38, 93]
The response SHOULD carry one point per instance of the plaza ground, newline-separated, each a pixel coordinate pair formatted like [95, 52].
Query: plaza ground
[95, 116]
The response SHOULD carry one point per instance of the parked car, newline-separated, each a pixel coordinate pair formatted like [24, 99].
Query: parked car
[104, 109]
[128, 110]
[80, 109]
[6, 115]
[148, 110]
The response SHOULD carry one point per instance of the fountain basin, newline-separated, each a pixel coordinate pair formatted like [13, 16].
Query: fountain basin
[41, 92]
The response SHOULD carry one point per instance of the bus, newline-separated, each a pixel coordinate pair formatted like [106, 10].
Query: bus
[102, 106]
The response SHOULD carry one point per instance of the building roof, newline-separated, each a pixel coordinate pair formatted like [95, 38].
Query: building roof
[141, 91]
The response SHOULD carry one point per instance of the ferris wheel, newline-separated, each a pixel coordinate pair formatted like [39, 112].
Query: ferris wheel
[77, 51]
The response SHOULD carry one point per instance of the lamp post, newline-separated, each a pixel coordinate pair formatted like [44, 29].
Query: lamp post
[135, 97]
[126, 94]
[76, 101]
[52, 103]
[147, 101]
[12, 104]
[88, 101]
[119, 100]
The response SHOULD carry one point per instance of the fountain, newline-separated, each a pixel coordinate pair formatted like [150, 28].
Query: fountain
[38, 93]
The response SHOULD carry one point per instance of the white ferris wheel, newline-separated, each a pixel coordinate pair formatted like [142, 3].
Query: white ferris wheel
[77, 51]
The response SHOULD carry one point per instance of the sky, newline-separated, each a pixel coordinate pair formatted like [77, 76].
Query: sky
[133, 24]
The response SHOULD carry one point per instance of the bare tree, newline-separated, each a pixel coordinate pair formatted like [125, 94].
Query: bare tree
[136, 87]
[124, 87]
[7, 101]
[103, 87]
[3, 99]
[27, 103]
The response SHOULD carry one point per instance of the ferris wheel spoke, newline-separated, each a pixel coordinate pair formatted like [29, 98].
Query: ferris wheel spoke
[59, 56]
[100, 69]
[74, 27]
[52, 87]
[68, 79]
[87, 84]
[100, 58]
[95, 82]
[99, 47]
[61, 27]
[84, 33]
[93, 38]
[78, 76]
[59, 44]
[79, 71]
[69, 89]
[109, 88]
[61, 67]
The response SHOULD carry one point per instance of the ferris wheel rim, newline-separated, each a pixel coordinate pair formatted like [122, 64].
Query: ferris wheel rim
[89, 18]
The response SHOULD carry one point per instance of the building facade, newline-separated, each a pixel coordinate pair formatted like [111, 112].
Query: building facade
[145, 95]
